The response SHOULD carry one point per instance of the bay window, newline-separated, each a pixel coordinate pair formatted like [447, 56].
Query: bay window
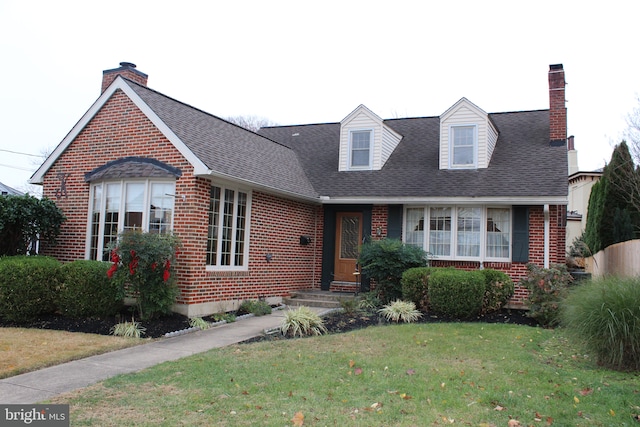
[127, 205]
[460, 232]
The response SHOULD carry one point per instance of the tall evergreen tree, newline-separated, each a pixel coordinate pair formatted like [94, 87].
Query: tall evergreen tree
[612, 215]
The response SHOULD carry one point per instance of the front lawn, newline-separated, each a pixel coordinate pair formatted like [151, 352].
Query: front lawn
[25, 350]
[401, 375]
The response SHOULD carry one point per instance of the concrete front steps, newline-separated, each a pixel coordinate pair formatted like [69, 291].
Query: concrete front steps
[317, 298]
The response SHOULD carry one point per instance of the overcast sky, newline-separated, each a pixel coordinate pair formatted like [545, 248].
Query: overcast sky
[296, 62]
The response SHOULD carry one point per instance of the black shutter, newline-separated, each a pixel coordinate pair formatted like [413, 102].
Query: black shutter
[394, 222]
[520, 245]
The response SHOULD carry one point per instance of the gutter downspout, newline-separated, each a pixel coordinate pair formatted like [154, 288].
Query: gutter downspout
[546, 235]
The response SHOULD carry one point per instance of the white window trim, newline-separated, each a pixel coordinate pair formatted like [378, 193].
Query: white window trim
[454, 231]
[350, 149]
[245, 257]
[121, 213]
[474, 165]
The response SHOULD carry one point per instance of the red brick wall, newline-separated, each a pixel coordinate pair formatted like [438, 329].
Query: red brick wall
[379, 217]
[119, 130]
[275, 228]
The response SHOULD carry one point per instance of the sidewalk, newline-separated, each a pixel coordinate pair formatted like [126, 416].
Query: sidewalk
[46, 383]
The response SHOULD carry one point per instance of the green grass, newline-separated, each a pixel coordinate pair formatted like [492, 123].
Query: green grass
[399, 375]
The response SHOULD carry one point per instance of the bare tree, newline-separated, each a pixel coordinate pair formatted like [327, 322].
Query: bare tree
[252, 123]
[632, 134]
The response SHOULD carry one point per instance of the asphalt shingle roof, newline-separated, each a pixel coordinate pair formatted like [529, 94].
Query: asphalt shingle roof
[523, 163]
[303, 160]
[228, 149]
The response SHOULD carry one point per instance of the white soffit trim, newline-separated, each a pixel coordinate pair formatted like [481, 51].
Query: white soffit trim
[118, 83]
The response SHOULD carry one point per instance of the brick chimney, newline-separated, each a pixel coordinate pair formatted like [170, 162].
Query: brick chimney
[557, 108]
[127, 70]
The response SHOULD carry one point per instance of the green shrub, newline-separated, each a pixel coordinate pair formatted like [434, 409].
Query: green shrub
[350, 306]
[28, 286]
[605, 313]
[415, 287]
[23, 219]
[498, 289]
[456, 293]
[143, 263]
[302, 322]
[255, 307]
[86, 291]
[547, 288]
[385, 260]
[400, 310]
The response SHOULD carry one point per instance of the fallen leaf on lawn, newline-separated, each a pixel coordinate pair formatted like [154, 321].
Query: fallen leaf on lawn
[298, 419]
[549, 421]
[612, 412]
[411, 371]
[392, 391]
[486, 425]
[351, 363]
[514, 423]
[586, 391]
[576, 400]
[498, 408]
[405, 396]
[245, 392]
[376, 405]
[357, 371]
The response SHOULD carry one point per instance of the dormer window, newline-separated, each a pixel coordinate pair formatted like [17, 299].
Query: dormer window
[360, 149]
[463, 147]
[468, 137]
[366, 142]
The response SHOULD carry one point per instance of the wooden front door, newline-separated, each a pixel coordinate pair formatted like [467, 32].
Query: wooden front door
[348, 240]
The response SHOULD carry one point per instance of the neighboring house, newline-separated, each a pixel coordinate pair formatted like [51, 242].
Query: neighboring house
[262, 215]
[580, 184]
[5, 190]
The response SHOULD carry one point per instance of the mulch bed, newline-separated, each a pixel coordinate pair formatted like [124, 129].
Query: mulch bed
[335, 322]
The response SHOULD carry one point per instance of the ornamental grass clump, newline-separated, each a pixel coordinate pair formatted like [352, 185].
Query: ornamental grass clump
[605, 314]
[127, 329]
[400, 311]
[142, 264]
[302, 322]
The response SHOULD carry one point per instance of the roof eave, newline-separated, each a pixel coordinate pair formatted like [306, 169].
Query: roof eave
[497, 200]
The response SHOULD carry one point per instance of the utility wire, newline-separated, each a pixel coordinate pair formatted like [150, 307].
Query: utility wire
[17, 152]
[17, 167]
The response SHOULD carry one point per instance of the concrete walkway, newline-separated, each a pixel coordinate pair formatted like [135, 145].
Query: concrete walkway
[34, 387]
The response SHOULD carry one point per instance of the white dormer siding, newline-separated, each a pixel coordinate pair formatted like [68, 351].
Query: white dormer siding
[356, 129]
[467, 137]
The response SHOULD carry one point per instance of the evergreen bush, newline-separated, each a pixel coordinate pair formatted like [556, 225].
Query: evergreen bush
[86, 291]
[385, 261]
[415, 286]
[143, 264]
[547, 288]
[498, 289]
[456, 293]
[28, 285]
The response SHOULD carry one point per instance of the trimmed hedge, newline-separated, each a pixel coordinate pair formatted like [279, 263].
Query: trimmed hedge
[415, 286]
[456, 293]
[28, 285]
[86, 291]
[498, 289]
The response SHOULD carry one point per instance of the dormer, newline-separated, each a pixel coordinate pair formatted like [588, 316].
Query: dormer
[365, 141]
[467, 137]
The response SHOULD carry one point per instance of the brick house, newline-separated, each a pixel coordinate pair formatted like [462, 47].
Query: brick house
[264, 214]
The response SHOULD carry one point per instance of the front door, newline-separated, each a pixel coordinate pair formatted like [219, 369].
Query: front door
[348, 239]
